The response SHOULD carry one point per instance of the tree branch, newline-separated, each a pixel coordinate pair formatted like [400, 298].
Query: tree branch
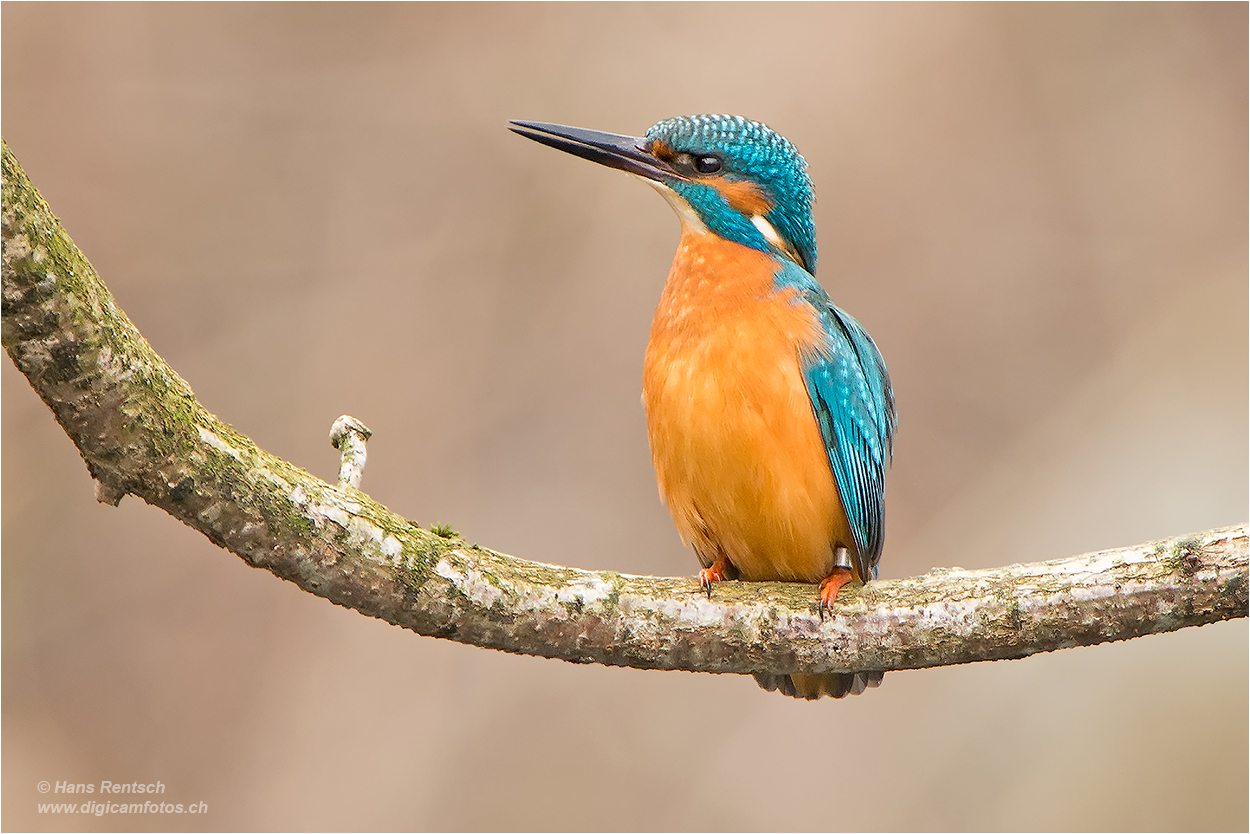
[141, 432]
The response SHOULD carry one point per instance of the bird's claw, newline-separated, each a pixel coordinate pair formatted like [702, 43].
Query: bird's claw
[829, 590]
[718, 571]
[706, 578]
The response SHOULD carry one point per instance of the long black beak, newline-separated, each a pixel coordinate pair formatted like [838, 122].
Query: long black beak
[626, 153]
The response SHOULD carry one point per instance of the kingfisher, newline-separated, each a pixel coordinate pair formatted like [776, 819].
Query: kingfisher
[769, 410]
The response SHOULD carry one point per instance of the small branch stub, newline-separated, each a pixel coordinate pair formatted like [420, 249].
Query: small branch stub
[349, 436]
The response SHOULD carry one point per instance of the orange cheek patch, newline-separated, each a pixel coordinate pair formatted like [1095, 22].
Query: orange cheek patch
[742, 195]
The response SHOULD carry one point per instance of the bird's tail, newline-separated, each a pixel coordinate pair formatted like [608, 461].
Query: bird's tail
[811, 687]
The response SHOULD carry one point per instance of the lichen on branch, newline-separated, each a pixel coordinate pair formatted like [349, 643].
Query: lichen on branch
[141, 432]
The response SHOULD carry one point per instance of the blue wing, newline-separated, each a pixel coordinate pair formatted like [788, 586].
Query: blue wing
[851, 396]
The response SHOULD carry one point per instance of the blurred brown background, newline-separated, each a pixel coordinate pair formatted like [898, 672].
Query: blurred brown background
[1040, 213]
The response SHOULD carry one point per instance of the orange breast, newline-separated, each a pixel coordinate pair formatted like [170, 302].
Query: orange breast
[738, 455]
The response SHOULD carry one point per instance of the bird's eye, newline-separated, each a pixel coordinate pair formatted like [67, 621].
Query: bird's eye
[707, 165]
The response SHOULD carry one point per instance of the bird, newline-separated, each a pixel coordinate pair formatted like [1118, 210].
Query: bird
[770, 412]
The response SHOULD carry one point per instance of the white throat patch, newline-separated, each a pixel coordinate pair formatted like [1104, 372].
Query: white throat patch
[689, 219]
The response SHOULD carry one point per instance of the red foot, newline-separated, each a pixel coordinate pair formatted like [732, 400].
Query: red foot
[718, 572]
[830, 587]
